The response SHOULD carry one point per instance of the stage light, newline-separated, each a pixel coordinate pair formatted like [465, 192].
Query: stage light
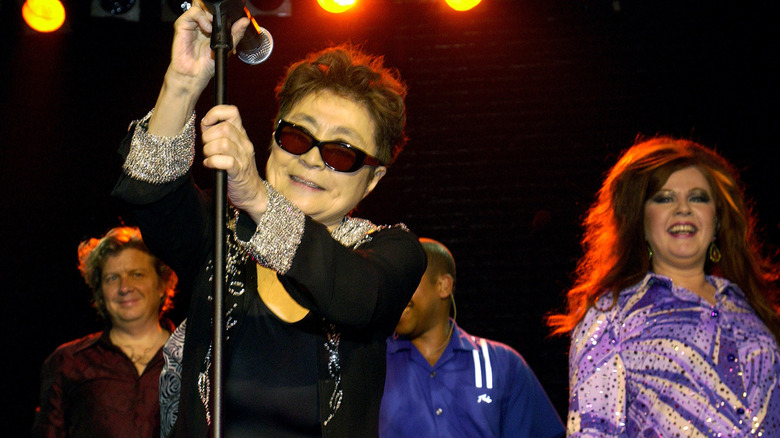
[43, 15]
[122, 9]
[462, 5]
[171, 9]
[336, 6]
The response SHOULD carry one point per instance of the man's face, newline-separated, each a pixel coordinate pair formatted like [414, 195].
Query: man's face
[132, 290]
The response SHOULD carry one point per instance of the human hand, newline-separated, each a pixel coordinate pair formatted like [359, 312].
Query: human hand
[227, 147]
[191, 54]
[191, 68]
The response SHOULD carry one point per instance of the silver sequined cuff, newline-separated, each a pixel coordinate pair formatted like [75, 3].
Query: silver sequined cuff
[159, 160]
[278, 234]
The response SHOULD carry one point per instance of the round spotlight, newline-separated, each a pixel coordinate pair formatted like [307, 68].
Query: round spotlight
[462, 5]
[43, 15]
[336, 6]
[117, 7]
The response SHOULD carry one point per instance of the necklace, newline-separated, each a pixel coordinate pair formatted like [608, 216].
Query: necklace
[141, 355]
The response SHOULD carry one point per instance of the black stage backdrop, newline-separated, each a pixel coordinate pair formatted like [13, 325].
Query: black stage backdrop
[516, 110]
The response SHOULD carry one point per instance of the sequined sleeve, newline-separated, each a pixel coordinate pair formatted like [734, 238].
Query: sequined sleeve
[597, 377]
[159, 160]
[278, 234]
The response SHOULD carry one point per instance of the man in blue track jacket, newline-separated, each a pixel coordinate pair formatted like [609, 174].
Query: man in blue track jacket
[444, 382]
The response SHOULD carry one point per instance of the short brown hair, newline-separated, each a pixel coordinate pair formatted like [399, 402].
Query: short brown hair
[348, 72]
[92, 258]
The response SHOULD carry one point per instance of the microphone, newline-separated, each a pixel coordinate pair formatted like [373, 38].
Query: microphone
[257, 43]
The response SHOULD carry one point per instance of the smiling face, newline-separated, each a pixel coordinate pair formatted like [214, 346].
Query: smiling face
[320, 192]
[132, 290]
[680, 222]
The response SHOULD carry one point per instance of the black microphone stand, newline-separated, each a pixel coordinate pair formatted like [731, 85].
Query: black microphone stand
[221, 44]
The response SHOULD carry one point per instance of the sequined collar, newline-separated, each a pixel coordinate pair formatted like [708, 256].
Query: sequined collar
[722, 286]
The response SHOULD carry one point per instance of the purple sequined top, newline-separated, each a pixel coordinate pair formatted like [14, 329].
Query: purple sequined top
[664, 362]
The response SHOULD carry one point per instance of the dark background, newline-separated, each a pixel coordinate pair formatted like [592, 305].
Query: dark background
[516, 110]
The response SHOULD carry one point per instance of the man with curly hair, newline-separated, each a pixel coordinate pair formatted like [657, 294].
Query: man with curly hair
[106, 383]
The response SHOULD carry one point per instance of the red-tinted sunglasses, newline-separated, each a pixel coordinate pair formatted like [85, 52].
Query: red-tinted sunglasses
[337, 155]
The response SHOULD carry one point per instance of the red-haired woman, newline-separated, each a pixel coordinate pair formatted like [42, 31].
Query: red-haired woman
[673, 329]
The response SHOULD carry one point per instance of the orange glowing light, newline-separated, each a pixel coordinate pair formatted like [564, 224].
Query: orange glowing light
[43, 15]
[462, 5]
[336, 6]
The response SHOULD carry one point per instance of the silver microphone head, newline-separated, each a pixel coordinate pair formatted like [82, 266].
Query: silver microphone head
[255, 48]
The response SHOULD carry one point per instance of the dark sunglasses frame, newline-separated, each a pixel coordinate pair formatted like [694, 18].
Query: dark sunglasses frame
[361, 158]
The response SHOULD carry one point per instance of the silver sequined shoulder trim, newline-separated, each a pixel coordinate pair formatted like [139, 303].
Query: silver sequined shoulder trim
[352, 231]
[355, 232]
[159, 160]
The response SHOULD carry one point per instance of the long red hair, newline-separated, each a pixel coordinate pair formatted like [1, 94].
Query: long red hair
[615, 252]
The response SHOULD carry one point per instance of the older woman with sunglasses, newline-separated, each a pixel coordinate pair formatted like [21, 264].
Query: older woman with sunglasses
[312, 293]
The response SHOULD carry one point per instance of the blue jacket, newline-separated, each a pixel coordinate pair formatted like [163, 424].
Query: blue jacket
[478, 388]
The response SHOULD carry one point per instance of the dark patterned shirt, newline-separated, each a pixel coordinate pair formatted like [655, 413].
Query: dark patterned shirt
[90, 388]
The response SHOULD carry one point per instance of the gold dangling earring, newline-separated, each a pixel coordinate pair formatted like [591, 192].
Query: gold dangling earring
[714, 253]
